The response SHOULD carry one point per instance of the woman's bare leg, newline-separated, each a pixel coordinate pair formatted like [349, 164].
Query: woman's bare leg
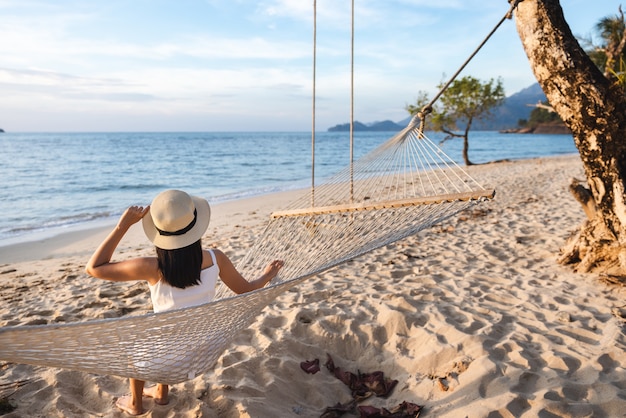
[132, 404]
[159, 392]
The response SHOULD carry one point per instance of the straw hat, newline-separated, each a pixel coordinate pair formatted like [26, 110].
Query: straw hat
[176, 219]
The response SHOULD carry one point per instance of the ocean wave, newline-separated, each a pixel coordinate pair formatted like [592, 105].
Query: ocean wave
[57, 223]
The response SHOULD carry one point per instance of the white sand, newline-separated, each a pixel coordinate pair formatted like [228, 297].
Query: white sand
[473, 317]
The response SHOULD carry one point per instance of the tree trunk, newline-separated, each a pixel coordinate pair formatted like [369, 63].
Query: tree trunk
[466, 143]
[466, 152]
[594, 110]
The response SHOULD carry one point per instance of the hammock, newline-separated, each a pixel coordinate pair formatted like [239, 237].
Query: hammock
[404, 186]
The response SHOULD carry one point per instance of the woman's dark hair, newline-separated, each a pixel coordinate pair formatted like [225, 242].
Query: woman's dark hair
[181, 267]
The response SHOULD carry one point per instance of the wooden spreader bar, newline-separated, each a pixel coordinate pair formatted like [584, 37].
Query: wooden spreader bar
[355, 207]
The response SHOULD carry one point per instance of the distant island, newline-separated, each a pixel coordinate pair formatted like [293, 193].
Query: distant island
[384, 126]
[512, 116]
[1, 131]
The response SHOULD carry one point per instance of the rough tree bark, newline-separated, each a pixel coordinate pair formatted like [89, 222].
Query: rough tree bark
[594, 109]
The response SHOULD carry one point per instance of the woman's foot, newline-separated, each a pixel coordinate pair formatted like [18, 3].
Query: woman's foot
[125, 403]
[154, 393]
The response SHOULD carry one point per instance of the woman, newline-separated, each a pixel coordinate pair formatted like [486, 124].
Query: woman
[181, 275]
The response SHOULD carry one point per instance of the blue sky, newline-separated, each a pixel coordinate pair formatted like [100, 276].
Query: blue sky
[239, 65]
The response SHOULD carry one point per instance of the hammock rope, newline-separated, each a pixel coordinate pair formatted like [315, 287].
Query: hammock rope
[404, 186]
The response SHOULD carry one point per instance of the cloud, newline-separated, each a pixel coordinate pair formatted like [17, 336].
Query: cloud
[229, 57]
[42, 79]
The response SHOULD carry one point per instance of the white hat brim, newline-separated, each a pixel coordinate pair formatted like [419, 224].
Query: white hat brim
[172, 242]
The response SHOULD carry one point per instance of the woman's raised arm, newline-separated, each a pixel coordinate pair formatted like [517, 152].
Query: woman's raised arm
[100, 265]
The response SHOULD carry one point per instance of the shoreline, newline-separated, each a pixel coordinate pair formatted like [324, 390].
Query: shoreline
[41, 243]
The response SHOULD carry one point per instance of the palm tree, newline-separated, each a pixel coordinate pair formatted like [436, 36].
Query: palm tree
[610, 55]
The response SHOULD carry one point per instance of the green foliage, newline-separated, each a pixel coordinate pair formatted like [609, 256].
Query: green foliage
[620, 74]
[469, 98]
[610, 54]
[540, 115]
[464, 101]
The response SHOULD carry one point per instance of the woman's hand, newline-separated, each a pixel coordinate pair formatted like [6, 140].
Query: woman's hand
[273, 268]
[132, 215]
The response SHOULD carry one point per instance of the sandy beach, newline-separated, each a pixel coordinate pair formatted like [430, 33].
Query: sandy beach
[473, 317]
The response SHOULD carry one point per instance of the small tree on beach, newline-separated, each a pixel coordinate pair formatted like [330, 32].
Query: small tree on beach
[464, 101]
[593, 106]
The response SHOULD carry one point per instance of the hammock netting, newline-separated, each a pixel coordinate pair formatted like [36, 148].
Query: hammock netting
[404, 186]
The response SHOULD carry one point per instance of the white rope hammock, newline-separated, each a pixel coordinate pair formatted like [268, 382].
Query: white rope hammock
[404, 186]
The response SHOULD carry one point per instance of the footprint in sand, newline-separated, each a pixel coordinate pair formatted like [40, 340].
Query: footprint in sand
[77, 395]
[527, 383]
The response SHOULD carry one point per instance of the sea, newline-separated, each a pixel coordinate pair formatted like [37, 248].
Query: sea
[60, 182]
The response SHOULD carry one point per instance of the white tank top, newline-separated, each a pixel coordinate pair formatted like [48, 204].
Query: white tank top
[165, 297]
